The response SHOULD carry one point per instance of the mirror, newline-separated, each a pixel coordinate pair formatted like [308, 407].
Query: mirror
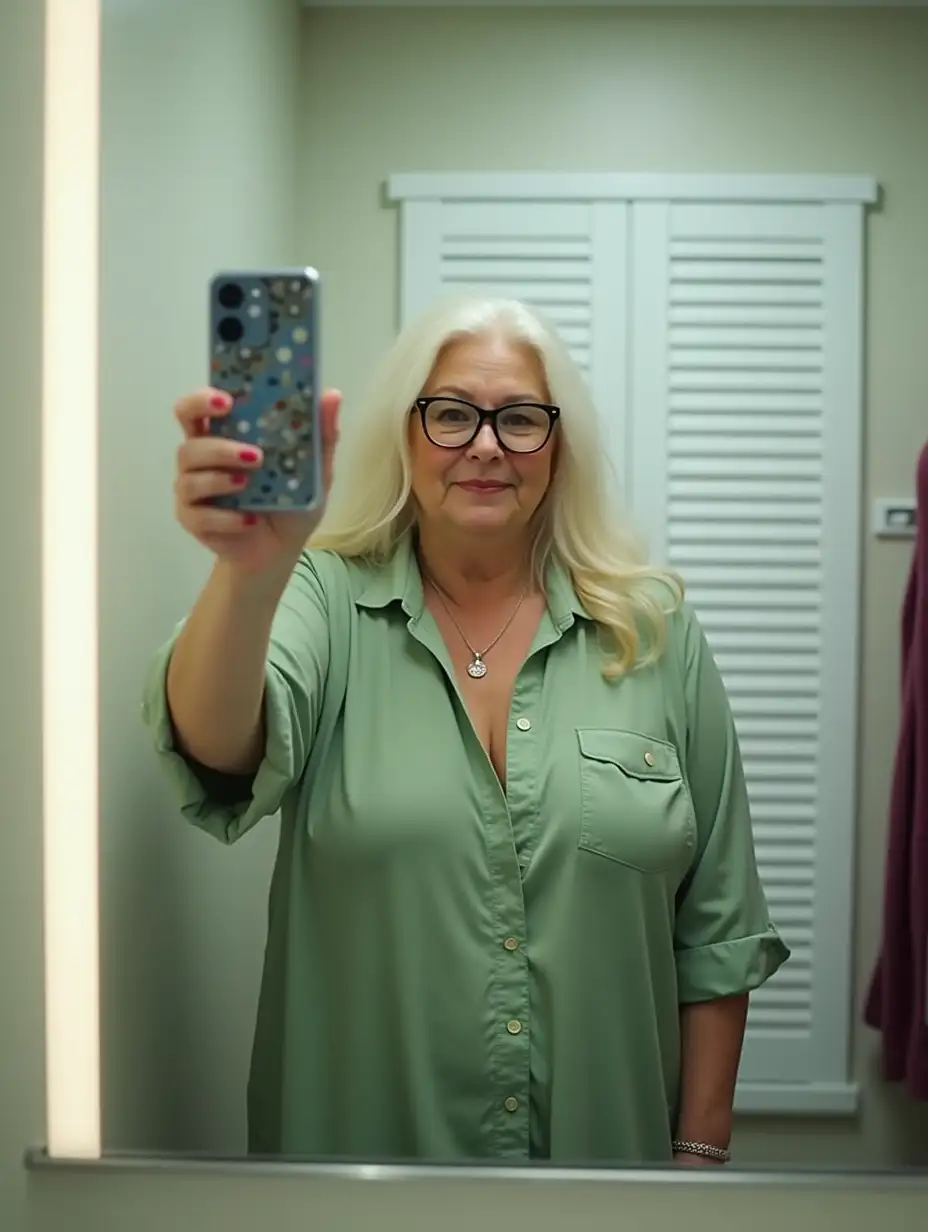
[695, 198]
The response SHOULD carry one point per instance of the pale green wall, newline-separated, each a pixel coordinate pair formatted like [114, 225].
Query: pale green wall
[199, 144]
[613, 90]
[22, 1113]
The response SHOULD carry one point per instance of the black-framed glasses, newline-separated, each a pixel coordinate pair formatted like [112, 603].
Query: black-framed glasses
[520, 427]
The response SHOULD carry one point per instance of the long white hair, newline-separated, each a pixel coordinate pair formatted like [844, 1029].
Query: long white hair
[370, 505]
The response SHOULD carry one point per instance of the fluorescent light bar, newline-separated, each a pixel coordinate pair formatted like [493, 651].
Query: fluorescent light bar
[69, 576]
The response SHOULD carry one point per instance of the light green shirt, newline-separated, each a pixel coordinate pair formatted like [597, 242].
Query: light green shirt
[458, 971]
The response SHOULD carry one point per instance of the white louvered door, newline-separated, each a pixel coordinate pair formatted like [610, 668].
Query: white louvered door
[719, 320]
[745, 429]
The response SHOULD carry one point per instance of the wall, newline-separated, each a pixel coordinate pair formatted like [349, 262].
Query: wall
[599, 89]
[199, 111]
[21, 1017]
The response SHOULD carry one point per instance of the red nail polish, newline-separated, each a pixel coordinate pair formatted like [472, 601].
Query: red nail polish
[250, 519]
[238, 480]
[219, 402]
[249, 455]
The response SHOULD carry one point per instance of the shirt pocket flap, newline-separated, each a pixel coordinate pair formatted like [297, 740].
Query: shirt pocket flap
[635, 804]
[637, 755]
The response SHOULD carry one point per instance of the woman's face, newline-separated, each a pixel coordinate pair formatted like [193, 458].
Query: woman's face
[481, 488]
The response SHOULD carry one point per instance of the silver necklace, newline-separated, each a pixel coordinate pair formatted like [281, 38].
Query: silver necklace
[477, 668]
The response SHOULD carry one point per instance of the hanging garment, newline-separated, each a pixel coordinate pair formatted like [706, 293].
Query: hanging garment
[897, 1003]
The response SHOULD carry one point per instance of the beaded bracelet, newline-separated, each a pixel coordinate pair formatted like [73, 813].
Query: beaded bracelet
[703, 1149]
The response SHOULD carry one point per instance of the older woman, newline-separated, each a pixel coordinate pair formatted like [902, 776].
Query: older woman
[515, 912]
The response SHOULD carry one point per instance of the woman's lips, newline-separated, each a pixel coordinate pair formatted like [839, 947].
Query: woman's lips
[475, 485]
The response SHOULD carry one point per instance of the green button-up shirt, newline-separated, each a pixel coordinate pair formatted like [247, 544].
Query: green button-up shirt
[457, 970]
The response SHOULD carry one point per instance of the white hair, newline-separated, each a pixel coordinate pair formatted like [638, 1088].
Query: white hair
[370, 505]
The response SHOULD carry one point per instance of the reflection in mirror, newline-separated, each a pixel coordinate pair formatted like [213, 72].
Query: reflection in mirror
[547, 754]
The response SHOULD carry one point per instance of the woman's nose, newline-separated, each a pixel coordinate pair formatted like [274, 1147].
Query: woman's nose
[485, 444]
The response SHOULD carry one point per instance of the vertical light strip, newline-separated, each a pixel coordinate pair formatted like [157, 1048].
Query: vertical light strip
[69, 576]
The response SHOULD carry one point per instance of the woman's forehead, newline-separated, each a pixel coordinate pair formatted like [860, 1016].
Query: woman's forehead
[467, 365]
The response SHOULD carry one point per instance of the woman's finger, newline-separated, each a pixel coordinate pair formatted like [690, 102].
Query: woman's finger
[221, 543]
[329, 404]
[195, 411]
[202, 521]
[195, 487]
[215, 453]
[329, 407]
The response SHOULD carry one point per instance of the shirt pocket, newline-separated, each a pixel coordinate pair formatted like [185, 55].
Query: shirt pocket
[635, 805]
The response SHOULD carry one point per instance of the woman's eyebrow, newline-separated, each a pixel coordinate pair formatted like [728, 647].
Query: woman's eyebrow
[456, 392]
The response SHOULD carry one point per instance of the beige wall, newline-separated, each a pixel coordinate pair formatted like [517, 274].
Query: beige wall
[604, 90]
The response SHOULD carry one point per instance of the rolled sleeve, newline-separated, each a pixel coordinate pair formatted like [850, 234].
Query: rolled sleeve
[724, 939]
[294, 685]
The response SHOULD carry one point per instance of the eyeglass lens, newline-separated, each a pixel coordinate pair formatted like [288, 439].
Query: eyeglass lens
[521, 428]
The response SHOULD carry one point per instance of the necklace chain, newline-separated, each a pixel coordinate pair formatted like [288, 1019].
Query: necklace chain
[477, 668]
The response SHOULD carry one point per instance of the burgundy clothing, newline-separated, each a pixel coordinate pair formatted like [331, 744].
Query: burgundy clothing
[896, 1004]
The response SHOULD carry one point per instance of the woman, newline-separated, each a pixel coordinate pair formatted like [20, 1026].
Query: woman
[515, 912]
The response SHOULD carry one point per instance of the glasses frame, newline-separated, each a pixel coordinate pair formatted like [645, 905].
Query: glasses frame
[491, 417]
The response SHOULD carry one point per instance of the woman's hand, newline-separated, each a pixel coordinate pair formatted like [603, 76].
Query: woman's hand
[210, 466]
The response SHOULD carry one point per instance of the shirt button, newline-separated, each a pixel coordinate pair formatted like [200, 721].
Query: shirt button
[513, 1026]
[511, 1104]
[511, 943]
[649, 758]
[524, 724]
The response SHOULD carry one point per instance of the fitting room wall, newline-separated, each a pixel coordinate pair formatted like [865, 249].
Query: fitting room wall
[199, 132]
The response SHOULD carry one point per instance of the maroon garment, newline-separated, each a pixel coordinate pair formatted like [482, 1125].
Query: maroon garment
[896, 1004]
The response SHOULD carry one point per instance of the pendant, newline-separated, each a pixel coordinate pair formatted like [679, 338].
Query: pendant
[477, 669]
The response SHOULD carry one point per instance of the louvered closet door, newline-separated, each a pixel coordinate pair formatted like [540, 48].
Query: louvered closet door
[566, 259]
[744, 429]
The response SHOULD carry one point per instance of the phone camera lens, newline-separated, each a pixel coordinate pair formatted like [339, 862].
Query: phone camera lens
[230, 329]
[231, 295]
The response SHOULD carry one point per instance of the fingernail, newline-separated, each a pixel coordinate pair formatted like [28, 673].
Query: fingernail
[249, 455]
[250, 519]
[219, 402]
[238, 480]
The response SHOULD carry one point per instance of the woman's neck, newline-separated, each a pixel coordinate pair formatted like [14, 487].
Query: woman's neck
[478, 571]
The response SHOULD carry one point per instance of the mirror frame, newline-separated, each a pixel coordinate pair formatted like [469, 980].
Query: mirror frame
[70, 663]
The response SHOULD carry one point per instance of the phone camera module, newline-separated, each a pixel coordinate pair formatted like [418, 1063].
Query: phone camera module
[230, 329]
[231, 295]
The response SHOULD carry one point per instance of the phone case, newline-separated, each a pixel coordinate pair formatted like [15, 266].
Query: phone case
[264, 346]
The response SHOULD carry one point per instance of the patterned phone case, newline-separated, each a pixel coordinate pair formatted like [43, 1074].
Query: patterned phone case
[263, 351]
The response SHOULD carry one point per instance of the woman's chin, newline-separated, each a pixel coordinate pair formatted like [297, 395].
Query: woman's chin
[485, 520]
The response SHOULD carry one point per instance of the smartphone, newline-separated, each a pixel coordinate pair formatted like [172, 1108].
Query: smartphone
[264, 348]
